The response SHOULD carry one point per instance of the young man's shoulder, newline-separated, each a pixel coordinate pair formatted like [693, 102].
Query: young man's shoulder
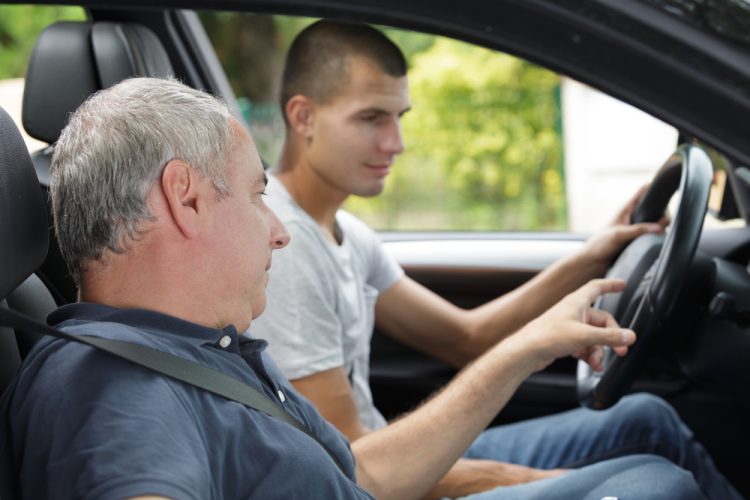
[282, 203]
[360, 235]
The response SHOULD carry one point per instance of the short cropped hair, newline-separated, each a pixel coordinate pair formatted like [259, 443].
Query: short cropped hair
[316, 64]
[113, 151]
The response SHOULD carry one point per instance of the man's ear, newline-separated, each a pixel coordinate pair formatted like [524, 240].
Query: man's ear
[182, 192]
[300, 111]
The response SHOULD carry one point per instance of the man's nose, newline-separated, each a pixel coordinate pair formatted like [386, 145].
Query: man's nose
[280, 237]
[392, 142]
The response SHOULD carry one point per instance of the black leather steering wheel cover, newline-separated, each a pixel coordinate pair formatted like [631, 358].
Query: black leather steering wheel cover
[601, 390]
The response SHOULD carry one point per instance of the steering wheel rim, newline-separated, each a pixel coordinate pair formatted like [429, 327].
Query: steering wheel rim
[689, 172]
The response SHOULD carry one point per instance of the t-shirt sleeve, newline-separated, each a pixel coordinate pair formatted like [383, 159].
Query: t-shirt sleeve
[382, 269]
[304, 333]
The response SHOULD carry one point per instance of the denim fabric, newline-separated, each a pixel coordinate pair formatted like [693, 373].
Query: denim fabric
[641, 477]
[616, 452]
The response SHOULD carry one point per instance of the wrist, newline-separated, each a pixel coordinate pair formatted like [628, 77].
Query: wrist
[588, 263]
[523, 350]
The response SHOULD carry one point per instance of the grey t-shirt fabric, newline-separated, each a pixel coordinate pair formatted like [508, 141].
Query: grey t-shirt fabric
[320, 308]
[84, 424]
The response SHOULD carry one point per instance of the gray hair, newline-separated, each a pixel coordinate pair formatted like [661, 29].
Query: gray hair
[113, 151]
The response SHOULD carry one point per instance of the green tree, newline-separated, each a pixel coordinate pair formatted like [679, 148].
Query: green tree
[20, 26]
[251, 48]
[483, 146]
[483, 149]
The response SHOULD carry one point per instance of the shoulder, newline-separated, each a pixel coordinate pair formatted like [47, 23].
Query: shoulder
[356, 229]
[60, 372]
[380, 268]
[282, 203]
[95, 421]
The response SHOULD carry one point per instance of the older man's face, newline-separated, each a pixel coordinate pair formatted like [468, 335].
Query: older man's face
[245, 233]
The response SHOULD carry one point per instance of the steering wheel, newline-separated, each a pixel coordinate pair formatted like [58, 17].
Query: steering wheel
[654, 267]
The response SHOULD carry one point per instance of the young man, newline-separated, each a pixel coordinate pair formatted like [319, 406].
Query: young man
[344, 91]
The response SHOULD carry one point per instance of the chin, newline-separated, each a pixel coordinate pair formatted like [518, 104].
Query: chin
[259, 307]
[370, 191]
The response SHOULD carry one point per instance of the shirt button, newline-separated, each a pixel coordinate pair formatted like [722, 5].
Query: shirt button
[282, 398]
[225, 341]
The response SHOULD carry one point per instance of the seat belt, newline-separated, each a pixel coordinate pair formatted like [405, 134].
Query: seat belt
[184, 370]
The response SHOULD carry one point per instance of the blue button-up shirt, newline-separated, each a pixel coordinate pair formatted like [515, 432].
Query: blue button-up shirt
[85, 424]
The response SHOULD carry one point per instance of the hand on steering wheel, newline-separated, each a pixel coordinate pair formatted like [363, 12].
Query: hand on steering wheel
[654, 267]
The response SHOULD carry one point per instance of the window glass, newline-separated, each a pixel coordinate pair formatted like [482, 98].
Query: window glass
[723, 209]
[20, 26]
[493, 142]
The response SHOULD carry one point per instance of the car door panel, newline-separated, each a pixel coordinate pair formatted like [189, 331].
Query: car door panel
[468, 270]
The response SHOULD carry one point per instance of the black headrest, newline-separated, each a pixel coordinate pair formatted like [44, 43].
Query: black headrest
[122, 50]
[23, 213]
[61, 75]
[72, 60]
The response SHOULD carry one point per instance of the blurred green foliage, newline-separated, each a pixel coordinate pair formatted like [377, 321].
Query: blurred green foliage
[483, 138]
[20, 26]
[483, 141]
[251, 48]
[483, 146]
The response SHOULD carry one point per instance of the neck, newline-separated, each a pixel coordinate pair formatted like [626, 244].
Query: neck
[147, 278]
[313, 193]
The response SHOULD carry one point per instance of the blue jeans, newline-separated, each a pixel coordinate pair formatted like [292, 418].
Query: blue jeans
[639, 448]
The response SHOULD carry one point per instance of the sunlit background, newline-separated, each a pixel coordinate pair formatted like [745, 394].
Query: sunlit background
[493, 142]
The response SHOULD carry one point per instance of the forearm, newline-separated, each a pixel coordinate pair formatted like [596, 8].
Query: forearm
[405, 459]
[331, 393]
[497, 319]
[419, 318]
[408, 457]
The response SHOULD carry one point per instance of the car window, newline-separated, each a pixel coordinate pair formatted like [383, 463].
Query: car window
[493, 142]
[20, 26]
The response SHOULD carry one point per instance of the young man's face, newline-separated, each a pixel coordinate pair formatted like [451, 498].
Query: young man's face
[356, 137]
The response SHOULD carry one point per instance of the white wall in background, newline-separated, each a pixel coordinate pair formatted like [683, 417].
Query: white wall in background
[611, 149]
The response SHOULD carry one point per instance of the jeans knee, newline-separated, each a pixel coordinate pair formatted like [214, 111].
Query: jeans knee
[657, 423]
[671, 481]
[650, 411]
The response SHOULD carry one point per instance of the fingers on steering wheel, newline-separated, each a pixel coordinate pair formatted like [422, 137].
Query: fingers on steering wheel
[625, 214]
[617, 337]
[598, 317]
[589, 292]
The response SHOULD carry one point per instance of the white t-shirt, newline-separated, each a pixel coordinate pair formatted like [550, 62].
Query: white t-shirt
[321, 298]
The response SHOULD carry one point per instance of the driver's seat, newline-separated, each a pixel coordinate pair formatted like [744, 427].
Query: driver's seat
[23, 245]
[87, 57]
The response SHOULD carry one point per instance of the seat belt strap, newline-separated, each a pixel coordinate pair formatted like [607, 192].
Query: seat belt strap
[172, 366]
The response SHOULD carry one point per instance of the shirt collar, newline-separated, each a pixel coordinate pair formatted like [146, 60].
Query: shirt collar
[143, 319]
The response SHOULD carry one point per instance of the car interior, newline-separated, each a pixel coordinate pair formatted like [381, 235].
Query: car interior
[700, 367]
[89, 57]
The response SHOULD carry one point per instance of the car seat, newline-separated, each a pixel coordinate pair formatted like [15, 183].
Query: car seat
[70, 61]
[23, 243]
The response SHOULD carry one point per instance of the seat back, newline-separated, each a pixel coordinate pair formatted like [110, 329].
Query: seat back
[23, 240]
[70, 61]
